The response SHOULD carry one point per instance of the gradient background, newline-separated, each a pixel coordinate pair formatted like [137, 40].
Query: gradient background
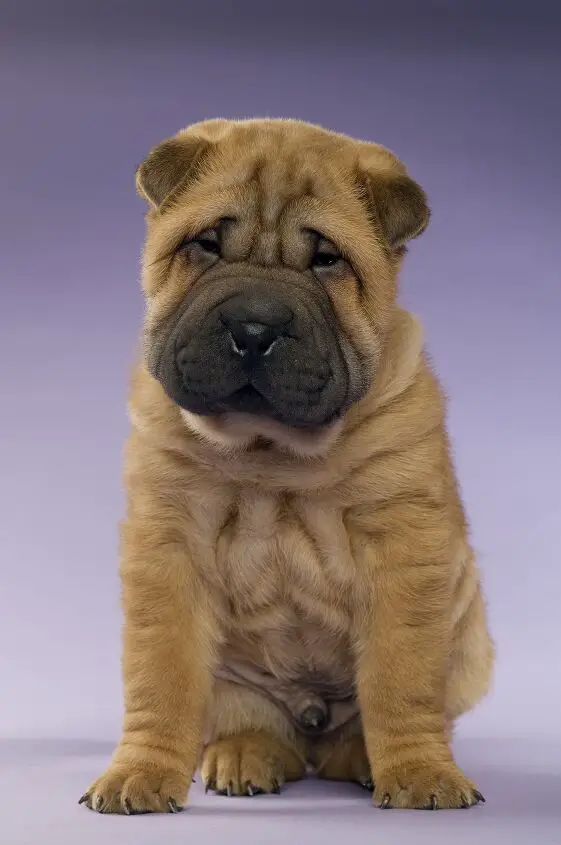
[468, 94]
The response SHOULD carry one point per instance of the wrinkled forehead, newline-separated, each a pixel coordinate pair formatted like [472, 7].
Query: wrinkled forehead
[279, 159]
[279, 170]
[267, 182]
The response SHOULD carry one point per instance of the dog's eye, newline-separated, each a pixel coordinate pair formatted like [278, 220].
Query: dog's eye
[325, 259]
[209, 245]
[208, 242]
[324, 253]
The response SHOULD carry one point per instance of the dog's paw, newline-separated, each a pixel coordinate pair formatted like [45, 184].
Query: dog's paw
[345, 761]
[425, 786]
[249, 764]
[137, 789]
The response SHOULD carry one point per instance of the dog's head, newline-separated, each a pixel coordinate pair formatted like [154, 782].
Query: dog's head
[270, 272]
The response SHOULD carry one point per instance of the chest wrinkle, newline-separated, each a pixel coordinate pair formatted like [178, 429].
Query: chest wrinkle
[286, 569]
[276, 549]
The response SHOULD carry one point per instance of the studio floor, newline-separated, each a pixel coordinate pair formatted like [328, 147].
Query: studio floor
[40, 782]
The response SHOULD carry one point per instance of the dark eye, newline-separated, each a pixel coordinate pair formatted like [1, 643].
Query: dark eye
[325, 259]
[208, 242]
[324, 252]
[209, 245]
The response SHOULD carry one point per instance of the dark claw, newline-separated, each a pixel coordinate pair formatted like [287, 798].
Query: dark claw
[229, 789]
[132, 811]
[174, 806]
[276, 788]
[99, 805]
[249, 790]
[385, 805]
[480, 798]
[366, 783]
[466, 803]
[433, 803]
[85, 798]
[208, 786]
[253, 790]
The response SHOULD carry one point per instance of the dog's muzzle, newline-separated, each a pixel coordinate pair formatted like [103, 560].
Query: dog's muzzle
[254, 326]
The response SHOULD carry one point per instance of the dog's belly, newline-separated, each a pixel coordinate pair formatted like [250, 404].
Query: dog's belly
[311, 681]
[289, 583]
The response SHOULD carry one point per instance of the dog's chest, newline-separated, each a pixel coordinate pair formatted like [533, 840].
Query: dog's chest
[278, 554]
[288, 577]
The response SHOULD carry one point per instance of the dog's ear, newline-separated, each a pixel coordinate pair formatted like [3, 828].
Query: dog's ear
[169, 166]
[399, 206]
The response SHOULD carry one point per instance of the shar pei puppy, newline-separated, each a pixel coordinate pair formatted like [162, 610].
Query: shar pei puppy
[298, 584]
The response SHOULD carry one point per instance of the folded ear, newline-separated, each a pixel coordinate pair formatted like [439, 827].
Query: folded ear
[399, 206]
[169, 166]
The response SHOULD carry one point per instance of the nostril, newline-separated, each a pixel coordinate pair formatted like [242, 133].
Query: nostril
[237, 346]
[266, 350]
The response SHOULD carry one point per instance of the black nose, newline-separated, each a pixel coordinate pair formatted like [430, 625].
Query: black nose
[255, 324]
[252, 338]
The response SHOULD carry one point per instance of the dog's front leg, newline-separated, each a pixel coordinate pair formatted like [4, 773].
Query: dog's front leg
[169, 643]
[404, 636]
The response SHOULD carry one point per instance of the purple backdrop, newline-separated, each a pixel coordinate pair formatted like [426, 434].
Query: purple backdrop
[468, 95]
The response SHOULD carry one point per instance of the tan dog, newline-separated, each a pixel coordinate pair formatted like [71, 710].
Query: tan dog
[297, 578]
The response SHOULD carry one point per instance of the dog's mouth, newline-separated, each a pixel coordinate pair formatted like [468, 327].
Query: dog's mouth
[248, 400]
[292, 396]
